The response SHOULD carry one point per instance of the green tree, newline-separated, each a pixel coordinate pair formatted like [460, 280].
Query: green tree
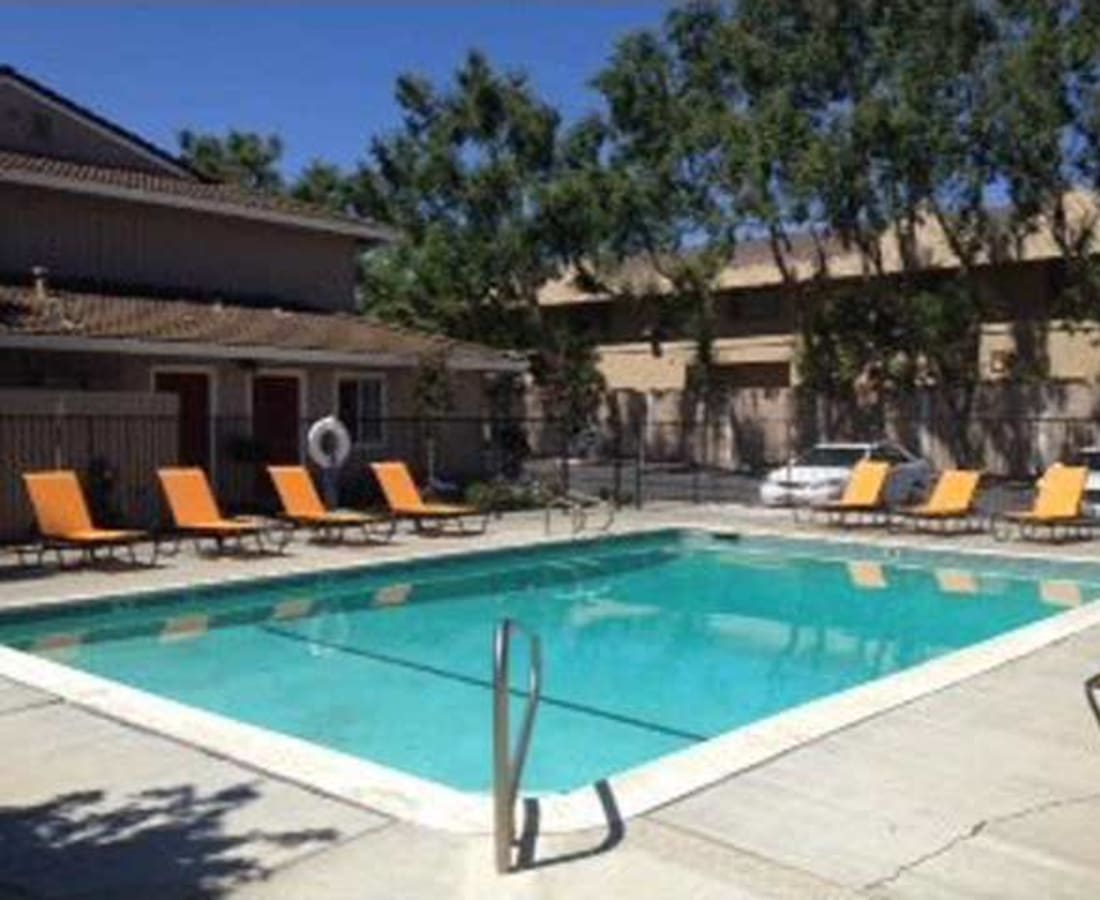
[884, 126]
[462, 182]
[243, 158]
[573, 387]
[488, 198]
[672, 189]
[323, 184]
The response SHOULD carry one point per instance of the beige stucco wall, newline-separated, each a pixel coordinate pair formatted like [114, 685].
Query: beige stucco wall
[1073, 353]
[145, 247]
[759, 326]
[28, 125]
[634, 366]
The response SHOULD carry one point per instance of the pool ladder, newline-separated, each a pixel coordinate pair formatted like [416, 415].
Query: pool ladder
[576, 506]
[508, 767]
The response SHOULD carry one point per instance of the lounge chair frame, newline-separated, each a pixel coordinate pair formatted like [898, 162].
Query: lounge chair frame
[972, 522]
[90, 553]
[844, 517]
[1080, 528]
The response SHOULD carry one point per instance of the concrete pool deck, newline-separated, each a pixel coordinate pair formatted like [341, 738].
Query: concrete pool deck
[987, 788]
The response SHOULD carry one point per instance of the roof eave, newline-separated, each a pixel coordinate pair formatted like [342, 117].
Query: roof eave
[365, 232]
[458, 360]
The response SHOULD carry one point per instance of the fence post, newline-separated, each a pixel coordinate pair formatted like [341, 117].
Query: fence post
[564, 457]
[617, 448]
[639, 455]
[698, 459]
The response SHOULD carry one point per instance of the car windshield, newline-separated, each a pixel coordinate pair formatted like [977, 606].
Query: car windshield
[834, 457]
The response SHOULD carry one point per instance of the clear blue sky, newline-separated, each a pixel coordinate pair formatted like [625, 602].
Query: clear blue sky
[321, 76]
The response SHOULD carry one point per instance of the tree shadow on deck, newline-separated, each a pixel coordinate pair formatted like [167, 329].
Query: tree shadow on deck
[166, 842]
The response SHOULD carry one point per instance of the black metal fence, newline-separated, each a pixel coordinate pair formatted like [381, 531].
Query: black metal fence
[498, 461]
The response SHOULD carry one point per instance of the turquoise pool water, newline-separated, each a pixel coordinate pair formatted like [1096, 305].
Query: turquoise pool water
[651, 643]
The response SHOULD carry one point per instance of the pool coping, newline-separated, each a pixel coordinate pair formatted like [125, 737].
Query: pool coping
[635, 791]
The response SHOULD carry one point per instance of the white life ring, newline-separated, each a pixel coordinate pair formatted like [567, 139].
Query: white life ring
[329, 442]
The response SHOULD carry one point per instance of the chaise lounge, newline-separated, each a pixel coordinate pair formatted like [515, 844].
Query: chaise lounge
[951, 505]
[863, 497]
[404, 502]
[64, 522]
[1056, 512]
[302, 506]
[195, 513]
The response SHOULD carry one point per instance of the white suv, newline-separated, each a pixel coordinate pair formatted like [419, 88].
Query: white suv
[1090, 458]
[820, 474]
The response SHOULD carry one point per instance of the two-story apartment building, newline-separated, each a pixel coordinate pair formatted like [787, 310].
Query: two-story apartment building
[131, 286]
[758, 308]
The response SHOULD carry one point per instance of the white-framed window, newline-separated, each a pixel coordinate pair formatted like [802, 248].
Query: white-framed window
[361, 406]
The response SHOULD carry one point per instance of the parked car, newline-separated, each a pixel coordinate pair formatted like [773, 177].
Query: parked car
[1090, 457]
[820, 474]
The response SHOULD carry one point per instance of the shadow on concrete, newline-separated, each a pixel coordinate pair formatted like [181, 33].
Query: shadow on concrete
[1092, 688]
[163, 843]
[528, 857]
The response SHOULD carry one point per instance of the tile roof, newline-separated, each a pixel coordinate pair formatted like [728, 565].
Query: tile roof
[251, 330]
[145, 186]
[753, 265]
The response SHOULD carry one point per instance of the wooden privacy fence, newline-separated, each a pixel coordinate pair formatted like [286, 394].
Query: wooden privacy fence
[114, 441]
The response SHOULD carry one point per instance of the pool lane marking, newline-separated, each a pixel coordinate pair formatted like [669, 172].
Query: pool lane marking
[487, 685]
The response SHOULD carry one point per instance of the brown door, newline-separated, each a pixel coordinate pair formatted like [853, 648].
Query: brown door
[193, 391]
[275, 408]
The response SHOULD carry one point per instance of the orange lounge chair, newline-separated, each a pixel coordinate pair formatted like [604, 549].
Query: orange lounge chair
[863, 495]
[64, 521]
[195, 513]
[405, 502]
[1056, 510]
[303, 507]
[952, 501]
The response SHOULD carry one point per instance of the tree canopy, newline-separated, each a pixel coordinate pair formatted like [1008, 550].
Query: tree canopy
[851, 124]
[462, 181]
[241, 157]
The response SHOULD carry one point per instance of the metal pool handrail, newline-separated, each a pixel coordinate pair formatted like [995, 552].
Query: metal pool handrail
[508, 769]
[576, 504]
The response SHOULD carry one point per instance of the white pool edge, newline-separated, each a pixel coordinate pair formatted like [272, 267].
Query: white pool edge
[635, 791]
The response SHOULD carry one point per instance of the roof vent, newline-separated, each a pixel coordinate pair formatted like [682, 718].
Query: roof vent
[40, 274]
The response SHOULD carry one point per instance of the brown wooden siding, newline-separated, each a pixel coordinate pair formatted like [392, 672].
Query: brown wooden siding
[118, 244]
[28, 125]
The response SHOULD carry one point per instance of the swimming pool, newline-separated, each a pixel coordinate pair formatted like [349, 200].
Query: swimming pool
[653, 643]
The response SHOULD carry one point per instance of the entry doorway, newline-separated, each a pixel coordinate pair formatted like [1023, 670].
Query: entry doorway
[194, 391]
[276, 414]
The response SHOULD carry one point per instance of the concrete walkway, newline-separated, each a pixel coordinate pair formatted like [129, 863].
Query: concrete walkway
[990, 788]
